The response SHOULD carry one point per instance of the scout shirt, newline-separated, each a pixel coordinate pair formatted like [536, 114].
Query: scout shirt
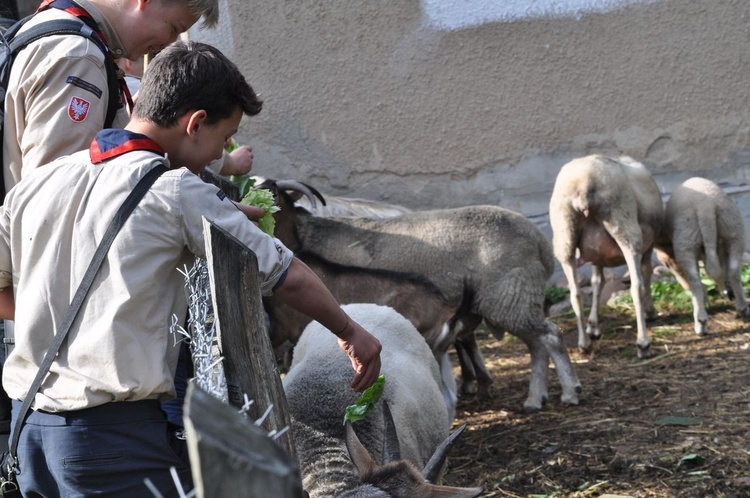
[57, 96]
[119, 348]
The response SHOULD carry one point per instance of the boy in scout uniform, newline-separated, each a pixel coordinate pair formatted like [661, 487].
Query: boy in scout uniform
[97, 425]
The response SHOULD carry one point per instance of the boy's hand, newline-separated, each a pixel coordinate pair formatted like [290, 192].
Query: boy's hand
[364, 352]
[238, 162]
[252, 212]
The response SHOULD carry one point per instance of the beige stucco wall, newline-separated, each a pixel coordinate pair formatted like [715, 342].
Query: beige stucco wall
[365, 99]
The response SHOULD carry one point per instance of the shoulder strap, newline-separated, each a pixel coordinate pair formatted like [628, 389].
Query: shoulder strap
[14, 43]
[117, 222]
[65, 27]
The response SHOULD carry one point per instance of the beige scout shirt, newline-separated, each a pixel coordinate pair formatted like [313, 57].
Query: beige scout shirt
[119, 348]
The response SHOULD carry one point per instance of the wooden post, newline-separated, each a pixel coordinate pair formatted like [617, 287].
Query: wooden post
[249, 364]
[227, 186]
[231, 457]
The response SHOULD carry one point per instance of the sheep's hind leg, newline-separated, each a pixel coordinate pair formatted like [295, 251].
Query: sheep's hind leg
[568, 266]
[733, 277]
[538, 394]
[593, 331]
[571, 386]
[689, 264]
[475, 379]
[539, 372]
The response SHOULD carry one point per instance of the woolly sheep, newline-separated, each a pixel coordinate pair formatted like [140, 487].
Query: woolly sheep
[491, 262]
[410, 295]
[703, 224]
[610, 210]
[351, 207]
[318, 392]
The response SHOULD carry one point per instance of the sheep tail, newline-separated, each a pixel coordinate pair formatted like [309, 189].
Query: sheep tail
[709, 234]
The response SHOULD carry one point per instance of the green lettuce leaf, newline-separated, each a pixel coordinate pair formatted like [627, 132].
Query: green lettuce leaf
[262, 198]
[366, 401]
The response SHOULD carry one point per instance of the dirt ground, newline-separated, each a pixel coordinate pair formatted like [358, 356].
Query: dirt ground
[675, 425]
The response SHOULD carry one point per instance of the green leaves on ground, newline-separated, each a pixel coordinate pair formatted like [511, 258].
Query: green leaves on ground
[366, 401]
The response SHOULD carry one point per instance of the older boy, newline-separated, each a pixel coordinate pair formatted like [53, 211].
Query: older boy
[103, 391]
[58, 90]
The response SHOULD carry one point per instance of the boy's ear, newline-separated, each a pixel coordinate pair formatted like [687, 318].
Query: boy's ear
[195, 121]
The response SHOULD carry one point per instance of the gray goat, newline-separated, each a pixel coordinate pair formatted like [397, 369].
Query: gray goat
[703, 224]
[610, 211]
[407, 431]
[489, 263]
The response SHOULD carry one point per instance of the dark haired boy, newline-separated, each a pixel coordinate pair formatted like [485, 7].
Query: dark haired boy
[97, 425]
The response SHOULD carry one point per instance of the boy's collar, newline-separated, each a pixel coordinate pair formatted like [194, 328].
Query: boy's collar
[113, 142]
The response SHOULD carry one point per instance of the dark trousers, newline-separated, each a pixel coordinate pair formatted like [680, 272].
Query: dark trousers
[108, 450]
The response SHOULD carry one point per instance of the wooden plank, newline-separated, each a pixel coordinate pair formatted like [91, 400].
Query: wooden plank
[227, 186]
[231, 457]
[249, 363]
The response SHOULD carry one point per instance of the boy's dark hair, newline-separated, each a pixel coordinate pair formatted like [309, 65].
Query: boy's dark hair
[189, 76]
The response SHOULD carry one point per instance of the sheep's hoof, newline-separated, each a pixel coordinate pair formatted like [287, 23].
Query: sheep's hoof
[745, 313]
[645, 351]
[584, 349]
[569, 400]
[700, 327]
[531, 409]
[483, 392]
[534, 406]
[469, 388]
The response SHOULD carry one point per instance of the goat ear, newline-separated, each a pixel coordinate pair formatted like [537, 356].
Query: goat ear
[434, 491]
[391, 446]
[360, 457]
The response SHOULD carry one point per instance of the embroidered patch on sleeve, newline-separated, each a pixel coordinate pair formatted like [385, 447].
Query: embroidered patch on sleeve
[78, 109]
[76, 81]
[221, 195]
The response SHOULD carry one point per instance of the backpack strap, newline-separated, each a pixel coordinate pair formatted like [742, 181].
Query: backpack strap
[66, 27]
[127, 207]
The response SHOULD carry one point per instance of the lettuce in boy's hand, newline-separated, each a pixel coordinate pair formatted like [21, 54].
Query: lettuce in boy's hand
[263, 199]
[231, 145]
[366, 401]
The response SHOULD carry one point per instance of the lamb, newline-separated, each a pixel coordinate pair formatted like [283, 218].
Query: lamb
[703, 224]
[490, 263]
[410, 295]
[610, 210]
[318, 392]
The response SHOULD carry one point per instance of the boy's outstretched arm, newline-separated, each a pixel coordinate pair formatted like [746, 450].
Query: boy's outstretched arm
[304, 291]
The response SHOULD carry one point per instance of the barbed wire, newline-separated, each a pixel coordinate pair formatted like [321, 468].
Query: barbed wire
[200, 334]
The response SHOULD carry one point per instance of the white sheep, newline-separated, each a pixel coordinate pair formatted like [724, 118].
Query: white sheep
[703, 224]
[490, 263]
[610, 211]
[318, 392]
[410, 295]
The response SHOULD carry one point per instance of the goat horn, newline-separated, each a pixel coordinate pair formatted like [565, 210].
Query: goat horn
[433, 467]
[310, 192]
[391, 447]
[358, 454]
